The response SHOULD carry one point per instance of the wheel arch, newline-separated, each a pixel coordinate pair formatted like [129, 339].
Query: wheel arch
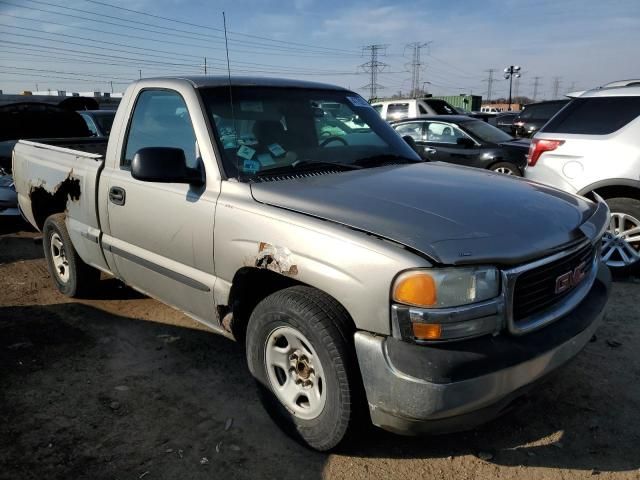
[249, 287]
[616, 187]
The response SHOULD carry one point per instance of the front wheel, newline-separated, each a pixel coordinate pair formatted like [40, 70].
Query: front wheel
[621, 242]
[299, 351]
[506, 168]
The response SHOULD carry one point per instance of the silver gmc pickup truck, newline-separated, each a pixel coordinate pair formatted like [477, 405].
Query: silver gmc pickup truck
[363, 281]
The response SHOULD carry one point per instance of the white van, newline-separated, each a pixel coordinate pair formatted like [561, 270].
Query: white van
[392, 110]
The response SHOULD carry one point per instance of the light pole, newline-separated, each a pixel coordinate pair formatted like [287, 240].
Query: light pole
[510, 72]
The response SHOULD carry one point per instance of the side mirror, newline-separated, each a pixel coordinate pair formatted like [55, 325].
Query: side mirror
[411, 142]
[164, 165]
[465, 142]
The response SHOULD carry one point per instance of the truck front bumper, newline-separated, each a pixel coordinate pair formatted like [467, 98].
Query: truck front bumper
[456, 386]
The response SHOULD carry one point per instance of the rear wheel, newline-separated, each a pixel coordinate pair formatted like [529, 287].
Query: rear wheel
[621, 242]
[71, 275]
[506, 168]
[299, 350]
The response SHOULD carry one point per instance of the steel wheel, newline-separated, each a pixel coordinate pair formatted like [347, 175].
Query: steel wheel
[59, 258]
[504, 171]
[621, 242]
[295, 372]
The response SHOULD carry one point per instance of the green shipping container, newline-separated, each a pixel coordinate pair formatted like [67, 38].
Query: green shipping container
[470, 103]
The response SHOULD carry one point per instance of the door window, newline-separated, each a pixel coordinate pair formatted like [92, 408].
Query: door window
[414, 130]
[443, 133]
[160, 119]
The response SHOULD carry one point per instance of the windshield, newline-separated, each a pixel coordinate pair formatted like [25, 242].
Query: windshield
[486, 132]
[441, 107]
[271, 128]
[105, 121]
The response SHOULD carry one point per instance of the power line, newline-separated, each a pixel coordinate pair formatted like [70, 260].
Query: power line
[556, 86]
[209, 27]
[536, 84]
[373, 67]
[416, 66]
[490, 84]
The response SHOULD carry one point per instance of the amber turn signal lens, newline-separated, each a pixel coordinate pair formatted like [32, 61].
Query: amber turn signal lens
[416, 289]
[427, 331]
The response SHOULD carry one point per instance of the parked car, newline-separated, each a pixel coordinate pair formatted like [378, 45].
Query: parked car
[504, 121]
[35, 120]
[358, 275]
[495, 110]
[392, 110]
[98, 122]
[465, 141]
[593, 145]
[534, 116]
[8, 198]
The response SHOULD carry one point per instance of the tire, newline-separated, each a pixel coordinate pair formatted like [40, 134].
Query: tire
[324, 347]
[71, 275]
[506, 168]
[621, 243]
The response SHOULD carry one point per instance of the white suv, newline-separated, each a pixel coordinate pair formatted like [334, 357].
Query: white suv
[593, 145]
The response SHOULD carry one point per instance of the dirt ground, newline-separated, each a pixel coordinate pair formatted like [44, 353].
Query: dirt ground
[123, 387]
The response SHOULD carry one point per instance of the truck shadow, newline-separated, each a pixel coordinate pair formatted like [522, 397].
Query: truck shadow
[86, 393]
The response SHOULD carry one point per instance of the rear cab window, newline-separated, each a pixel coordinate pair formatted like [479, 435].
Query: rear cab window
[397, 111]
[440, 107]
[595, 115]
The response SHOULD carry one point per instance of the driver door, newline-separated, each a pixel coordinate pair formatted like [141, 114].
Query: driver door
[161, 234]
[442, 144]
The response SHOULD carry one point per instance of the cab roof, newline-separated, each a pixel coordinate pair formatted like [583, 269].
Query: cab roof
[202, 81]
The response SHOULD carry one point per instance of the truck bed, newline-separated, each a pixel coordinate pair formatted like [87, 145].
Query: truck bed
[61, 175]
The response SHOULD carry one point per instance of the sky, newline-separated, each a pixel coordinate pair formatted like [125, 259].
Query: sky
[95, 45]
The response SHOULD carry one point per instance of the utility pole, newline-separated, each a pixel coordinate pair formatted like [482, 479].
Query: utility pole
[572, 88]
[536, 84]
[556, 87]
[373, 67]
[489, 84]
[111, 82]
[416, 66]
[205, 65]
[509, 73]
[139, 73]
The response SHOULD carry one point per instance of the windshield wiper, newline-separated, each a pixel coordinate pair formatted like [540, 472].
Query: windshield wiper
[306, 165]
[376, 160]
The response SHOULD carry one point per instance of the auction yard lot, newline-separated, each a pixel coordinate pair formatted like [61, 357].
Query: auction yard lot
[121, 386]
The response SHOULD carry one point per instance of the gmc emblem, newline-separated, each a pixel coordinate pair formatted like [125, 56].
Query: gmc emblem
[570, 279]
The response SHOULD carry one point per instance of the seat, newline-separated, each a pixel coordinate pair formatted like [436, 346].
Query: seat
[268, 132]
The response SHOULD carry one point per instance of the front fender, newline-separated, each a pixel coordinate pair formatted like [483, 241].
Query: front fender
[353, 267]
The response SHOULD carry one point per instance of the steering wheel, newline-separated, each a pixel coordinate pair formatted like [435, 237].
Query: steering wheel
[334, 138]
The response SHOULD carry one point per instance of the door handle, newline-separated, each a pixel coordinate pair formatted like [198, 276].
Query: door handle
[430, 150]
[117, 195]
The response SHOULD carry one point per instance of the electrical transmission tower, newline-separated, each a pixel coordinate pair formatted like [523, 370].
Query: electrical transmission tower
[536, 85]
[373, 67]
[416, 65]
[556, 87]
[489, 84]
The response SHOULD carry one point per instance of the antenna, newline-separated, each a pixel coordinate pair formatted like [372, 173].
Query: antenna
[233, 116]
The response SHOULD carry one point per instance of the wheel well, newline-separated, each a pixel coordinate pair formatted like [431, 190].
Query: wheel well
[45, 203]
[614, 191]
[250, 286]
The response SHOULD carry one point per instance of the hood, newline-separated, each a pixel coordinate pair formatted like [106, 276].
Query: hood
[454, 215]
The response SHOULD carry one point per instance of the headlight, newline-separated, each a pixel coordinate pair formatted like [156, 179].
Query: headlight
[445, 303]
[446, 287]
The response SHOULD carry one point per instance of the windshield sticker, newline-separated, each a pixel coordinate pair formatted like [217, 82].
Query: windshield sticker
[358, 101]
[266, 160]
[250, 166]
[246, 152]
[276, 150]
[251, 107]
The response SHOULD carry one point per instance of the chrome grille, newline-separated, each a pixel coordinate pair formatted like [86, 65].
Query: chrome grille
[535, 290]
